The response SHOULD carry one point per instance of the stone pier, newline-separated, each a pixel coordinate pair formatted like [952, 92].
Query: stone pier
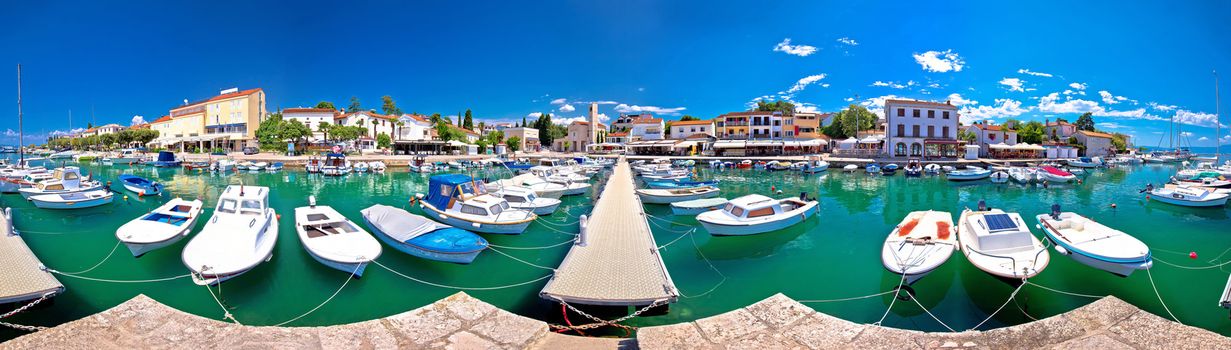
[463, 322]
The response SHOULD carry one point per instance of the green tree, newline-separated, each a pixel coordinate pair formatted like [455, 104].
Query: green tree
[389, 106]
[1085, 122]
[446, 132]
[325, 105]
[1030, 132]
[293, 130]
[482, 146]
[513, 143]
[324, 128]
[269, 134]
[397, 133]
[354, 105]
[786, 107]
[383, 141]
[688, 118]
[850, 121]
[965, 135]
[468, 123]
[144, 136]
[1119, 142]
[436, 120]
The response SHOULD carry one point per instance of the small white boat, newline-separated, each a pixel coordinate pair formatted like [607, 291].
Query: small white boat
[333, 240]
[161, 227]
[665, 196]
[813, 166]
[754, 213]
[850, 168]
[526, 199]
[461, 202]
[377, 166]
[970, 173]
[947, 168]
[1001, 244]
[1086, 162]
[419, 236]
[1022, 175]
[999, 177]
[872, 169]
[1094, 244]
[1187, 196]
[275, 166]
[239, 236]
[223, 165]
[932, 168]
[1054, 174]
[697, 206]
[258, 166]
[923, 241]
[73, 200]
[63, 180]
[541, 187]
[361, 167]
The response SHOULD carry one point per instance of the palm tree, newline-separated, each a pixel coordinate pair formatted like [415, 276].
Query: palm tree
[324, 127]
[398, 134]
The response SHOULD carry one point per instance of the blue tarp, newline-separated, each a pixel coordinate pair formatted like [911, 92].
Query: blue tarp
[441, 188]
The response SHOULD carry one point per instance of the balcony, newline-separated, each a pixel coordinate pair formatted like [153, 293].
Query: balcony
[737, 123]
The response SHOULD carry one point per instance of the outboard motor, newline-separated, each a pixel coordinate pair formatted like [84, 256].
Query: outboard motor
[982, 205]
[1055, 211]
[312, 201]
[803, 196]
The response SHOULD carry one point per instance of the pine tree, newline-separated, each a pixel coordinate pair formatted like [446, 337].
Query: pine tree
[469, 122]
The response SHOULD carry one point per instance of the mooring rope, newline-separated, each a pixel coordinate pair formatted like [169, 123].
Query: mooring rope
[677, 239]
[1160, 296]
[1192, 267]
[335, 294]
[1006, 303]
[119, 281]
[100, 263]
[226, 313]
[1064, 292]
[520, 260]
[846, 299]
[460, 288]
[925, 309]
[574, 240]
[559, 230]
[712, 267]
[892, 301]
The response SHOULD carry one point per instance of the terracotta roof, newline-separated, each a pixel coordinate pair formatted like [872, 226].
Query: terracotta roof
[648, 121]
[747, 113]
[221, 97]
[1055, 123]
[1094, 134]
[930, 103]
[691, 122]
[587, 123]
[368, 113]
[162, 119]
[618, 134]
[308, 110]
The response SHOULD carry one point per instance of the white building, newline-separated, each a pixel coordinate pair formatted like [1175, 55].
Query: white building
[913, 126]
[414, 128]
[646, 129]
[1097, 144]
[375, 122]
[312, 118]
[770, 125]
[108, 129]
[986, 135]
[684, 129]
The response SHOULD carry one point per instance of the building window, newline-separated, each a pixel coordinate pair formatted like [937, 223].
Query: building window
[931, 114]
[914, 113]
[944, 131]
[931, 130]
[991, 137]
[945, 114]
[914, 130]
[901, 112]
[901, 130]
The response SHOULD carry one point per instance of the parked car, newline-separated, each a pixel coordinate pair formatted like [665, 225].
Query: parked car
[251, 150]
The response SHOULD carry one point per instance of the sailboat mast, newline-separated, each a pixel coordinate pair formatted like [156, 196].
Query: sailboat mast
[21, 136]
[1217, 122]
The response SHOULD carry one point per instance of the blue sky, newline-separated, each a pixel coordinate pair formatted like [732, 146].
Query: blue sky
[1135, 65]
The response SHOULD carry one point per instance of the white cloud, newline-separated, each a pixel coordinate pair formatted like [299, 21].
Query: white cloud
[1108, 98]
[1014, 84]
[797, 50]
[531, 115]
[1203, 138]
[1078, 86]
[1003, 108]
[1186, 134]
[640, 89]
[1162, 107]
[848, 41]
[602, 118]
[957, 100]
[138, 120]
[1195, 118]
[849, 99]
[940, 61]
[624, 108]
[1049, 104]
[1109, 125]
[567, 108]
[558, 101]
[10, 133]
[804, 82]
[894, 84]
[876, 105]
[1037, 74]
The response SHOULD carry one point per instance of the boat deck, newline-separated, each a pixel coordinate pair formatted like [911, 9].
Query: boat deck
[1225, 301]
[22, 277]
[618, 263]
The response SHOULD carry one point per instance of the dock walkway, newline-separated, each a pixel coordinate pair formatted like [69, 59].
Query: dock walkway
[617, 261]
[22, 276]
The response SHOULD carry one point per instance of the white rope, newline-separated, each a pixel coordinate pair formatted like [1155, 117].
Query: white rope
[925, 309]
[1160, 297]
[335, 294]
[1193, 267]
[100, 263]
[846, 299]
[119, 281]
[565, 224]
[677, 239]
[1019, 308]
[226, 314]
[712, 267]
[1064, 292]
[560, 231]
[1006, 303]
[520, 260]
[460, 288]
[574, 240]
[892, 301]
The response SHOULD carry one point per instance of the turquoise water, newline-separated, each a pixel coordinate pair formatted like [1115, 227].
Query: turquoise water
[834, 255]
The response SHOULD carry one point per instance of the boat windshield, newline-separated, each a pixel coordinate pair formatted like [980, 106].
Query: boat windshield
[498, 208]
[227, 206]
[251, 206]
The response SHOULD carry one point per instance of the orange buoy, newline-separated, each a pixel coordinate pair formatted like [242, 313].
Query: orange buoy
[773, 188]
[1192, 255]
[279, 216]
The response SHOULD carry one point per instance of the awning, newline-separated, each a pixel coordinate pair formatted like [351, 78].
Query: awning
[456, 143]
[810, 143]
[1028, 147]
[729, 144]
[849, 141]
[764, 143]
[685, 144]
[999, 146]
[870, 139]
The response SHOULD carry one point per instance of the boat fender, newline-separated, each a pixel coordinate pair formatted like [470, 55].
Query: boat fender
[1061, 250]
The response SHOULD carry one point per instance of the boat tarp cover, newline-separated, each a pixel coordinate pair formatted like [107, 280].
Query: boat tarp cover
[443, 187]
[1054, 171]
[166, 156]
[399, 224]
[700, 203]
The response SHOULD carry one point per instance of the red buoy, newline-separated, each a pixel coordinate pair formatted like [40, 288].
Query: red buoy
[1192, 255]
[1113, 205]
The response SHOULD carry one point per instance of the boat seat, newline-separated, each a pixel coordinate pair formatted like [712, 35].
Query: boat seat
[316, 231]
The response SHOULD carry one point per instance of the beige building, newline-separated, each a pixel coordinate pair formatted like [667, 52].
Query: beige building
[228, 121]
[580, 135]
[1097, 144]
[683, 129]
[529, 138]
[808, 125]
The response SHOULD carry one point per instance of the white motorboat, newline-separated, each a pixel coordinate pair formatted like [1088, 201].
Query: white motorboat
[932, 168]
[923, 241]
[1001, 244]
[1086, 162]
[258, 166]
[62, 155]
[161, 227]
[970, 173]
[12, 180]
[814, 166]
[1054, 174]
[275, 166]
[1094, 244]
[850, 168]
[335, 164]
[73, 200]
[1022, 175]
[127, 156]
[665, 196]
[361, 167]
[526, 199]
[63, 180]
[377, 166]
[223, 165]
[541, 187]
[240, 235]
[1187, 196]
[754, 213]
[462, 202]
[999, 177]
[697, 206]
[333, 240]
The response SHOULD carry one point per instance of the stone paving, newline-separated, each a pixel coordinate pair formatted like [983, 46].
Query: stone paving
[463, 322]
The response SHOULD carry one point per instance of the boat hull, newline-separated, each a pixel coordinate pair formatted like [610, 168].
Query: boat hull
[1190, 203]
[654, 199]
[515, 228]
[717, 229]
[457, 258]
[355, 269]
[89, 203]
[143, 190]
[139, 249]
[537, 210]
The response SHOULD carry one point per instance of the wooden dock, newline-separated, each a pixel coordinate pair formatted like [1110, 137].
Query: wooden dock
[22, 276]
[616, 261]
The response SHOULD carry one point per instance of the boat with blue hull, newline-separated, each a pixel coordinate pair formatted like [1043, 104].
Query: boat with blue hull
[419, 236]
[139, 185]
[673, 184]
[460, 201]
[166, 159]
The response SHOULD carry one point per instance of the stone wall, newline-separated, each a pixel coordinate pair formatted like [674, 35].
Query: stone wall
[463, 322]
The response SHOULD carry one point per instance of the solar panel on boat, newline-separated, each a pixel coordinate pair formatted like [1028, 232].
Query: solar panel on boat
[999, 222]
